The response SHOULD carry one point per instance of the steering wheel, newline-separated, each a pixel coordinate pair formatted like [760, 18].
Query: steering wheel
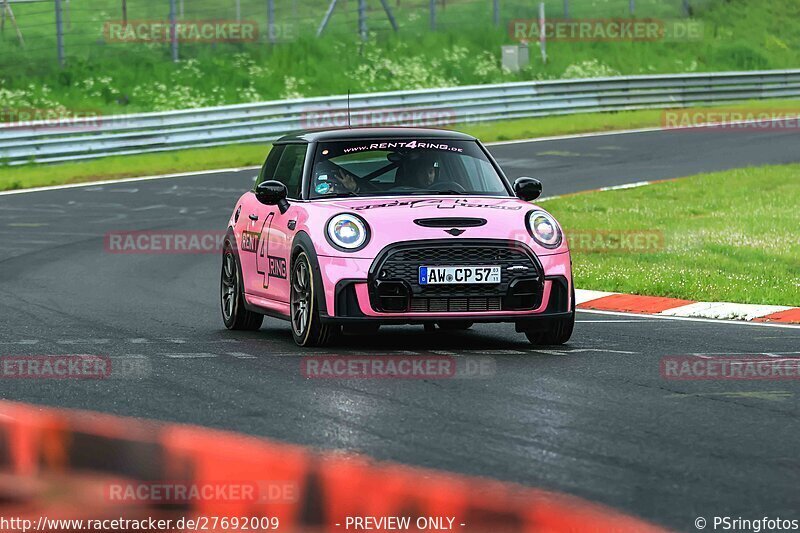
[452, 185]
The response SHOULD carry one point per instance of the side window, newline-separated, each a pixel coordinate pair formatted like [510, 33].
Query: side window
[268, 170]
[290, 168]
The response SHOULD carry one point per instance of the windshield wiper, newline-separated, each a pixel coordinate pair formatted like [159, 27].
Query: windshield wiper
[441, 192]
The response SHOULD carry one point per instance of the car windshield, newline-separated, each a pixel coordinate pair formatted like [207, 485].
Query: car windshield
[403, 167]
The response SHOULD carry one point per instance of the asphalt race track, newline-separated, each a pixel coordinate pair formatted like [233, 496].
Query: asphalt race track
[593, 418]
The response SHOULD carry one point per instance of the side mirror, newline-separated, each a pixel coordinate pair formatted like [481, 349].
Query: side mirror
[273, 192]
[528, 188]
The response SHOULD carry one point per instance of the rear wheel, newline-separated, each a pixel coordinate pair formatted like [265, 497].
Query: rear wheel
[307, 328]
[234, 313]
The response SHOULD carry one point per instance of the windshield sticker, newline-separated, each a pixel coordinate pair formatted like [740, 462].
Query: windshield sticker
[403, 144]
[323, 188]
[444, 203]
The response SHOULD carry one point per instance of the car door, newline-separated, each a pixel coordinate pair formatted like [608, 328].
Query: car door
[254, 217]
[272, 258]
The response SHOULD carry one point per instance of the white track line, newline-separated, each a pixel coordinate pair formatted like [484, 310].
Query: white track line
[625, 186]
[586, 295]
[601, 189]
[126, 180]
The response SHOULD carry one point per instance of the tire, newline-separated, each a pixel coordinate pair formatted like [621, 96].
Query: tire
[455, 325]
[559, 332]
[307, 328]
[234, 313]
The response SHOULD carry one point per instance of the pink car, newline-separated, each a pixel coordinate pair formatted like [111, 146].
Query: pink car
[358, 228]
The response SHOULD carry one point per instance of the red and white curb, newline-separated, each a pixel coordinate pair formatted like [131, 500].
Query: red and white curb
[657, 305]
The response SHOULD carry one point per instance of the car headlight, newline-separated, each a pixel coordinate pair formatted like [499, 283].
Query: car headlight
[348, 232]
[543, 228]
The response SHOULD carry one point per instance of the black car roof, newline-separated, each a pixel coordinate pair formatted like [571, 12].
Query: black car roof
[345, 134]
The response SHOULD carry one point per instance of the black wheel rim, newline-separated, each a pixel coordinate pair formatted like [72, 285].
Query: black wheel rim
[228, 285]
[301, 298]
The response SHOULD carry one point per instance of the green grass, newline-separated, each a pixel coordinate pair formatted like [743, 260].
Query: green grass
[728, 236]
[115, 77]
[528, 128]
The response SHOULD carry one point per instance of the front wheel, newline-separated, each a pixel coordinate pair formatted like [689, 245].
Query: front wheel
[307, 328]
[559, 332]
[234, 313]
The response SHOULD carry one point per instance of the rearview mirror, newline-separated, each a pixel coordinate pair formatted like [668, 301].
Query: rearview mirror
[273, 192]
[528, 188]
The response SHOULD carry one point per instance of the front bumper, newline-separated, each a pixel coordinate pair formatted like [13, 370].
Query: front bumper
[354, 288]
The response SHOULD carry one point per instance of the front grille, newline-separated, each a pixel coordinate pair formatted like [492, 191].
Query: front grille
[398, 267]
[455, 305]
[404, 264]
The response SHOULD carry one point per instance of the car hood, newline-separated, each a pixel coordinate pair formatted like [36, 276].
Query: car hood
[394, 219]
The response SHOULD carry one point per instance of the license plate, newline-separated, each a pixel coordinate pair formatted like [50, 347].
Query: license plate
[458, 275]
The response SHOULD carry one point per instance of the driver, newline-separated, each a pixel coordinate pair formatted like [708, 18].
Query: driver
[425, 171]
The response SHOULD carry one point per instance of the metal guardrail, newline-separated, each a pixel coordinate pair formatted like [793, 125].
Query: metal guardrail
[89, 138]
